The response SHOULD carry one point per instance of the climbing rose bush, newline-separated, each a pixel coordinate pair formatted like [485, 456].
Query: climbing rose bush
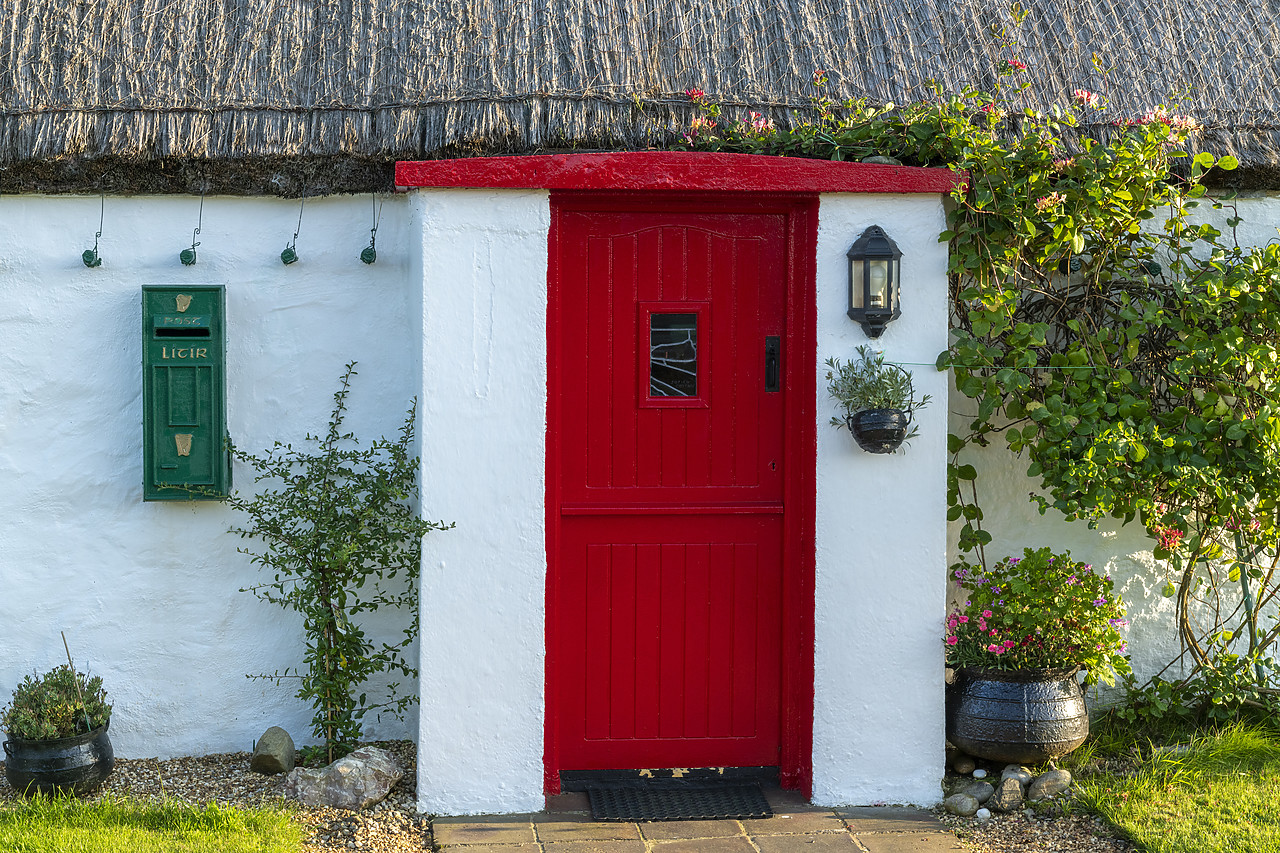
[1038, 611]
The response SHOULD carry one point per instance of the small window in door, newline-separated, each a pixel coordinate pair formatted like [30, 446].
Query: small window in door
[673, 355]
[673, 371]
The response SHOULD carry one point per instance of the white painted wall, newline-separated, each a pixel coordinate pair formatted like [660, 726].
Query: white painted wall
[880, 531]
[147, 592]
[484, 311]
[1124, 552]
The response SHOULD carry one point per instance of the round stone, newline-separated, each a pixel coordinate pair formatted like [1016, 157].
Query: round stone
[961, 804]
[979, 773]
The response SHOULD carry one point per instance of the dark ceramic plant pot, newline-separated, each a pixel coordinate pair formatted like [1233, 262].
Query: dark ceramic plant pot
[76, 765]
[879, 430]
[1023, 717]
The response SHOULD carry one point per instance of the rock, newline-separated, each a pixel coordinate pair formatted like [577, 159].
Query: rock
[1014, 771]
[963, 764]
[980, 791]
[961, 804]
[1008, 796]
[882, 159]
[983, 815]
[979, 773]
[273, 753]
[356, 782]
[1049, 784]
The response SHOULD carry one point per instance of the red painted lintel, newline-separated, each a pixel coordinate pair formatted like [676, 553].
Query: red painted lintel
[674, 170]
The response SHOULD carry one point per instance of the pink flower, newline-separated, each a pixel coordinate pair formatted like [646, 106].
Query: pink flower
[1008, 644]
[952, 640]
[964, 619]
[696, 95]
[1085, 98]
[760, 124]
[986, 614]
[1063, 164]
[1017, 65]
[996, 648]
[1049, 201]
[952, 622]
[819, 76]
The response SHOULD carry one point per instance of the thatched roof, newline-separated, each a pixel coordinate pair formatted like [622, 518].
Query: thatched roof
[293, 90]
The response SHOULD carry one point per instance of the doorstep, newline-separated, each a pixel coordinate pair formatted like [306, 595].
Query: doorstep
[796, 827]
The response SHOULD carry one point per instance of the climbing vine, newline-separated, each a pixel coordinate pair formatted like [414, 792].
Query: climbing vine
[1129, 351]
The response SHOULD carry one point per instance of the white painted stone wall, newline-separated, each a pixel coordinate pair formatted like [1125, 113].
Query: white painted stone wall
[147, 592]
[1124, 552]
[880, 532]
[484, 311]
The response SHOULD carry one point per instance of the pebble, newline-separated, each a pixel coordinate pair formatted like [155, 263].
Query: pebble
[983, 815]
[1015, 771]
[979, 773]
[961, 804]
[963, 764]
[980, 791]
[1008, 796]
[1051, 783]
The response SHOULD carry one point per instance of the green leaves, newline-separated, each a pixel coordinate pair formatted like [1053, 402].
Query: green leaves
[335, 526]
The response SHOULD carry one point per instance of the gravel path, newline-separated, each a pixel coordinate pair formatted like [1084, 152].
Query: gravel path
[391, 826]
[394, 825]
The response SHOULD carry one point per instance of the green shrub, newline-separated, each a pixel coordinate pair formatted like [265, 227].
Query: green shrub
[47, 707]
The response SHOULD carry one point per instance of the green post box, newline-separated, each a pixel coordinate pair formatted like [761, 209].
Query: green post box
[184, 419]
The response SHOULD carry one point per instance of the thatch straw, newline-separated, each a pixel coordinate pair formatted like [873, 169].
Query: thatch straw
[227, 79]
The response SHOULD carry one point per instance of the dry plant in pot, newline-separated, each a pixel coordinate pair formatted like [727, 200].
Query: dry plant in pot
[878, 400]
[56, 733]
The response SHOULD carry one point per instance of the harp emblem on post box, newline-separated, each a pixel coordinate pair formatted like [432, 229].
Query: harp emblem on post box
[184, 302]
[183, 440]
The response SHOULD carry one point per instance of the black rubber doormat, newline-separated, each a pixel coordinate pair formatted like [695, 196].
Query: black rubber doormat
[719, 802]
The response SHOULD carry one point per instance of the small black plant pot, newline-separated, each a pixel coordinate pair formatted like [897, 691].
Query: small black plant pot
[879, 430]
[75, 765]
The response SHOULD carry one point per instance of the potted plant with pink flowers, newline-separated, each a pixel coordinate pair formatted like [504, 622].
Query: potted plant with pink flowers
[1019, 638]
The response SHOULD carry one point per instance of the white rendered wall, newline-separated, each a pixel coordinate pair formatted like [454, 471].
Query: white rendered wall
[484, 310]
[1124, 552]
[881, 530]
[147, 592]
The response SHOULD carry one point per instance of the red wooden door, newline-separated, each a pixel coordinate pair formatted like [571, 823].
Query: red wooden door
[667, 569]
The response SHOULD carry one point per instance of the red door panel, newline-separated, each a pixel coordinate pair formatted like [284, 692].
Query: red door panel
[668, 581]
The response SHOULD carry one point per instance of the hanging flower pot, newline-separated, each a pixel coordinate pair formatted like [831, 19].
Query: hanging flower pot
[878, 400]
[879, 430]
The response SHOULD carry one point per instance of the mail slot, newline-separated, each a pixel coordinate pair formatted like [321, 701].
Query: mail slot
[184, 420]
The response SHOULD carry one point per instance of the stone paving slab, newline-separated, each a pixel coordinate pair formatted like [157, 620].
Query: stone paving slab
[484, 829]
[875, 819]
[636, 846]
[914, 842]
[734, 844]
[665, 830]
[582, 828]
[831, 842]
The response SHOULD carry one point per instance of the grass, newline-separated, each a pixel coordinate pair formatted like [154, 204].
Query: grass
[110, 825]
[1216, 793]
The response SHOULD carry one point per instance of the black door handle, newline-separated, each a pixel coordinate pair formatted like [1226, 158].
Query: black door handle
[772, 350]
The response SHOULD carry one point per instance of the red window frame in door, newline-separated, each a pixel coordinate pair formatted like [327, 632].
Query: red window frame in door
[702, 311]
[799, 378]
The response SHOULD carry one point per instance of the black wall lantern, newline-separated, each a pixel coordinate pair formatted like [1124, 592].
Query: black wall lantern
[874, 281]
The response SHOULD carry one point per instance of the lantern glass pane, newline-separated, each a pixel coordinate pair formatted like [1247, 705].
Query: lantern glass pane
[896, 282]
[856, 267]
[878, 292]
